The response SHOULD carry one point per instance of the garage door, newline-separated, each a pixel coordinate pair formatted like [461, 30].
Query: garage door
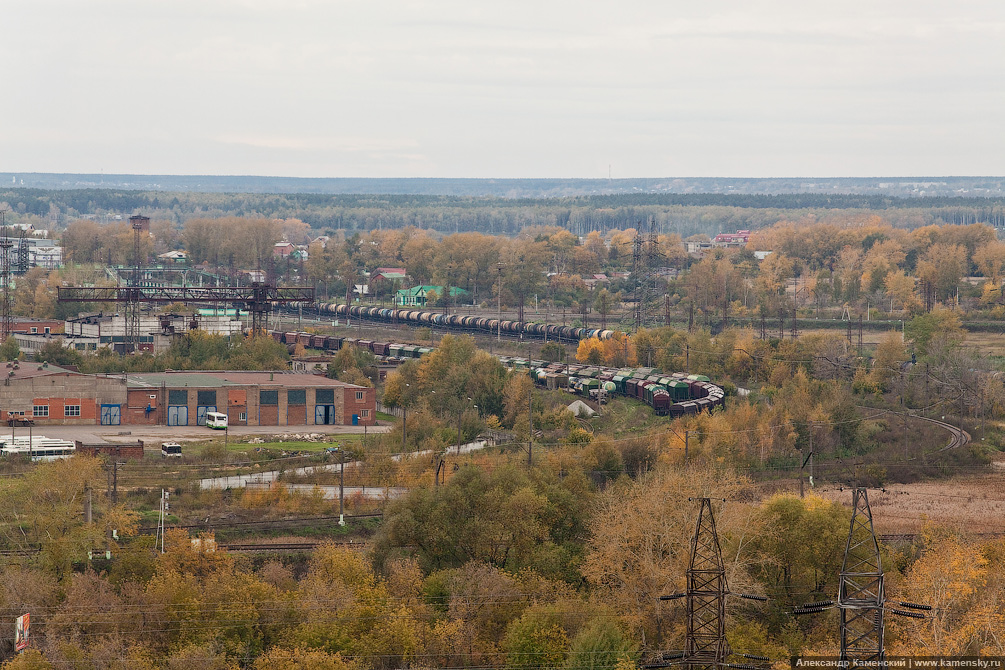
[178, 415]
[324, 414]
[111, 415]
[200, 413]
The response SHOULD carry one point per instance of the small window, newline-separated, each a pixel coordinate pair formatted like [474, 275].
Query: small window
[360, 395]
[244, 416]
[46, 330]
[71, 410]
[34, 329]
[40, 410]
[365, 413]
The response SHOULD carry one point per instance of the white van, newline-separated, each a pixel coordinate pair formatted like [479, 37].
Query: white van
[170, 450]
[216, 420]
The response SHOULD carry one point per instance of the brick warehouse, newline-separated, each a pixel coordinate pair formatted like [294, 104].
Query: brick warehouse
[53, 395]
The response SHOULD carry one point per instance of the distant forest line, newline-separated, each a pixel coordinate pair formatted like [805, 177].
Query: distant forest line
[685, 214]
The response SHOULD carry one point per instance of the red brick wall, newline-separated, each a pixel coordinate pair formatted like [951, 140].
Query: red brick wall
[89, 411]
[136, 404]
[353, 405]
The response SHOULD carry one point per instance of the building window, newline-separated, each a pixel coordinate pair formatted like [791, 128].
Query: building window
[71, 410]
[46, 331]
[244, 416]
[365, 413]
[360, 395]
[34, 329]
[40, 411]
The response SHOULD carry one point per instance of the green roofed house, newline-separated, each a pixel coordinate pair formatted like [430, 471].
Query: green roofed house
[417, 295]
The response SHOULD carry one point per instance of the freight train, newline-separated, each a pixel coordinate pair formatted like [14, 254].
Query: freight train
[674, 394]
[477, 324]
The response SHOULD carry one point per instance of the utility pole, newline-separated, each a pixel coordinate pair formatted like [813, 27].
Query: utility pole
[499, 267]
[87, 505]
[160, 520]
[687, 439]
[530, 424]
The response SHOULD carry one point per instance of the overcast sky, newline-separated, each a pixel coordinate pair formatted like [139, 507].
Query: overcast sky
[508, 88]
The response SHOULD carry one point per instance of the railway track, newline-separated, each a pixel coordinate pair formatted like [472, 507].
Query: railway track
[958, 436]
[277, 524]
[257, 547]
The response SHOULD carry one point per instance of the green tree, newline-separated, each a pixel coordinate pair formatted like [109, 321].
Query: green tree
[601, 645]
[536, 640]
[507, 518]
[353, 365]
[9, 350]
[799, 548]
[54, 352]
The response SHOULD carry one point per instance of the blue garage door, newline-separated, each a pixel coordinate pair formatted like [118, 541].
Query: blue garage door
[324, 414]
[111, 415]
[200, 413]
[178, 415]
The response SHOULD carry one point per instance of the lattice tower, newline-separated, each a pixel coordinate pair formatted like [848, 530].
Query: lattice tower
[861, 596]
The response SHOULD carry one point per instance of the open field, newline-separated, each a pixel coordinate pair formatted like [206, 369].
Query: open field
[968, 504]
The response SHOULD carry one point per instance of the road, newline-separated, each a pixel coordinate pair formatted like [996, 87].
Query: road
[152, 436]
[266, 478]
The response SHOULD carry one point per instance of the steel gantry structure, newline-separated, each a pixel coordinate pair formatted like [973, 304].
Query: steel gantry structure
[257, 298]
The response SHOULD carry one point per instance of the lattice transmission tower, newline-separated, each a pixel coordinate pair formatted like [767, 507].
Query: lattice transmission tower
[705, 599]
[861, 592]
[132, 312]
[647, 259]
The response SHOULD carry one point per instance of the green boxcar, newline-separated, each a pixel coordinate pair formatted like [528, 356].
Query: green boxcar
[619, 383]
[679, 391]
[395, 350]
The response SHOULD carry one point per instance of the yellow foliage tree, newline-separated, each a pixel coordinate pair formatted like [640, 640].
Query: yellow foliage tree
[591, 351]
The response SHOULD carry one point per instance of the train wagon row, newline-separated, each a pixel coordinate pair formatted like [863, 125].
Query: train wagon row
[418, 317]
[332, 343]
[674, 394]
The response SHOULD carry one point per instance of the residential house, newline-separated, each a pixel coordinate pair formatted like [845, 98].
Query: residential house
[417, 295]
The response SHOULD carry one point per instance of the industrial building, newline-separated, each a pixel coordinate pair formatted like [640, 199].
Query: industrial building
[56, 396]
[89, 332]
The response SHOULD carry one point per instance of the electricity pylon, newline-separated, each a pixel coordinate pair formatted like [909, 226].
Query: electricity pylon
[860, 594]
[705, 642]
[706, 595]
